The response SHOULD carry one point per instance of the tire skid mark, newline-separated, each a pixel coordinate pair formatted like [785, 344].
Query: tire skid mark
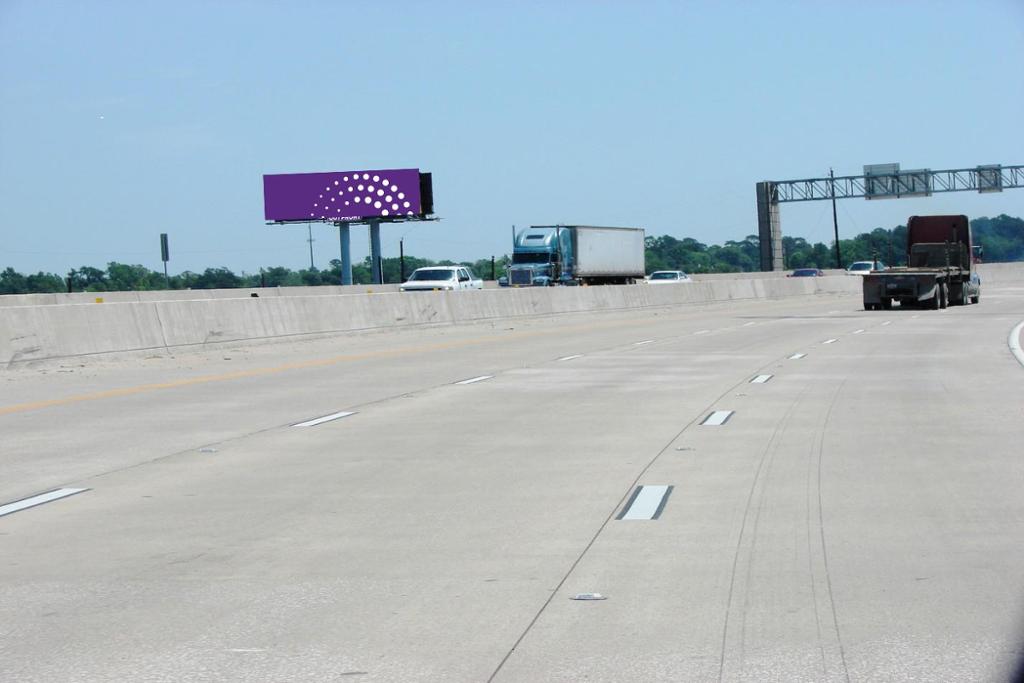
[762, 496]
[756, 485]
[821, 533]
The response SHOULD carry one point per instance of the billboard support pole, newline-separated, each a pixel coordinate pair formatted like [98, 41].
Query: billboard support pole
[346, 253]
[375, 252]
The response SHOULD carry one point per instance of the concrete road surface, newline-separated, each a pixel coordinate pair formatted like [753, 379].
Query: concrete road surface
[854, 515]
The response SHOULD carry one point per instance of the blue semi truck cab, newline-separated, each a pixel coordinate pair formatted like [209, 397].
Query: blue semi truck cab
[541, 256]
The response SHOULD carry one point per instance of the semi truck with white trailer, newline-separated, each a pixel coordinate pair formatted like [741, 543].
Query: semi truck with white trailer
[940, 268]
[546, 255]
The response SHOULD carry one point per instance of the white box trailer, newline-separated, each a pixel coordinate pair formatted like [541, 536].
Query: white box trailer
[607, 253]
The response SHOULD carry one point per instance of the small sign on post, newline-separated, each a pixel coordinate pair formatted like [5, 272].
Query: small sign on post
[165, 256]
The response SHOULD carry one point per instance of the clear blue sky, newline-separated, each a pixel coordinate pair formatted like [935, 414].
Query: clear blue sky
[122, 120]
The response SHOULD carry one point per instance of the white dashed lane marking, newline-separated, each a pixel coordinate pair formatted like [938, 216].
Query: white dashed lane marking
[326, 418]
[474, 380]
[647, 502]
[717, 418]
[33, 501]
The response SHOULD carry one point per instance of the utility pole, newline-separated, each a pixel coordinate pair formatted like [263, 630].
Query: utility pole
[401, 258]
[835, 219]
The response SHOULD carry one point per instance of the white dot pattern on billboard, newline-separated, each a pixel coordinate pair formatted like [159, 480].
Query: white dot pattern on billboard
[324, 211]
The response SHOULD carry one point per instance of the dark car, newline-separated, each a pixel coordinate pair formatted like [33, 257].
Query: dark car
[806, 272]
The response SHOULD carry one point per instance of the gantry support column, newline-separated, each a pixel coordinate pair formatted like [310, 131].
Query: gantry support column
[769, 227]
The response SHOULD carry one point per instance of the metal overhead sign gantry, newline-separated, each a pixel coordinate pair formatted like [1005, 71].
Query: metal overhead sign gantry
[883, 181]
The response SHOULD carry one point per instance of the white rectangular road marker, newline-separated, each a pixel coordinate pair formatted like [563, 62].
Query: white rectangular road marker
[887, 322]
[573, 357]
[37, 500]
[797, 356]
[717, 418]
[326, 418]
[761, 379]
[647, 502]
[645, 341]
[749, 324]
[474, 380]
[830, 341]
[702, 332]
[858, 331]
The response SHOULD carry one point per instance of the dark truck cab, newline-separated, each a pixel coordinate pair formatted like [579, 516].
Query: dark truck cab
[939, 272]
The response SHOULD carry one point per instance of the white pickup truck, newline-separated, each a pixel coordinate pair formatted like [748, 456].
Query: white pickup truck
[441, 278]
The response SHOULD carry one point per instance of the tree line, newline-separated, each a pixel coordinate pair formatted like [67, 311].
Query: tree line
[121, 277]
[1002, 239]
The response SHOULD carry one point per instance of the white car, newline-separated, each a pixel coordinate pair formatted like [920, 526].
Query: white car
[441, 278]
[864, 267]
[668, 277]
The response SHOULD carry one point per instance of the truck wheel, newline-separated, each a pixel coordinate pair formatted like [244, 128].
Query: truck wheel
[944, 296]
[886, 304]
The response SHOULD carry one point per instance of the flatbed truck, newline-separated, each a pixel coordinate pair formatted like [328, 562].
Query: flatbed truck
[940, 268]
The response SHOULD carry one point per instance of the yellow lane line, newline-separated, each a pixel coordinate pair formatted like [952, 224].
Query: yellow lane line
[320, 362]
[240, 374]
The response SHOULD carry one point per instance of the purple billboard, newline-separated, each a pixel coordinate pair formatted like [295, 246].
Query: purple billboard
[342, 196]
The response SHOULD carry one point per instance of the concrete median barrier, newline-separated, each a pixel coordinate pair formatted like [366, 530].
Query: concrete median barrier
[52, 330]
